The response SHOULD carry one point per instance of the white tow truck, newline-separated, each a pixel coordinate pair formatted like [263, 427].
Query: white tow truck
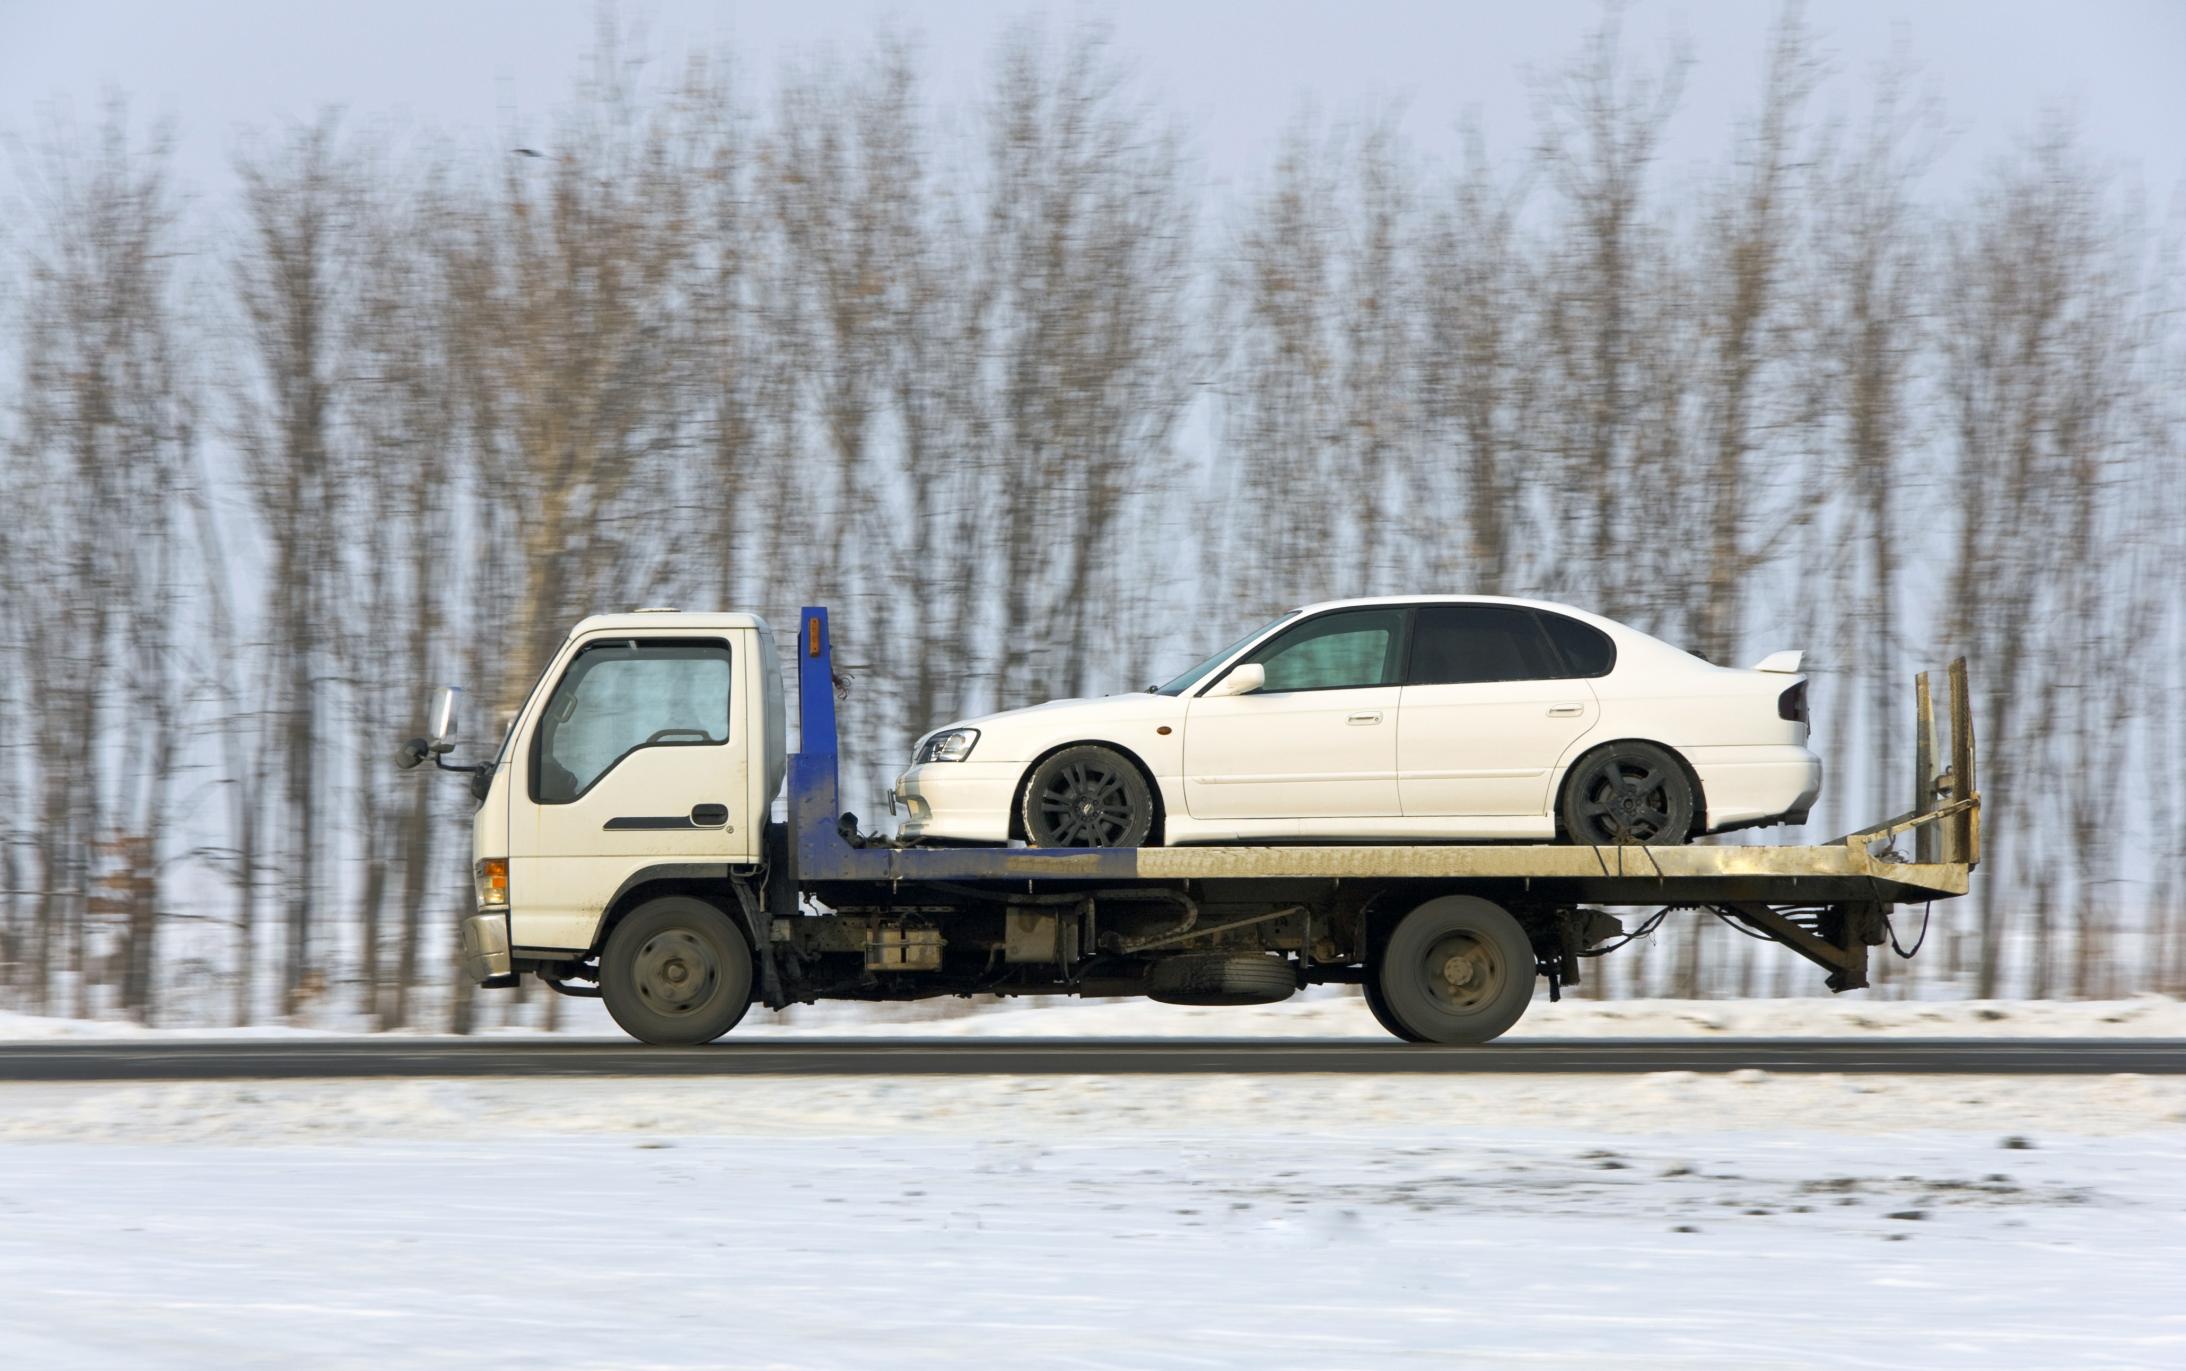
[625, 848]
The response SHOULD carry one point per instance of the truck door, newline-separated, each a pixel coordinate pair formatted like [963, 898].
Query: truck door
[1318, 740]
[640, 758]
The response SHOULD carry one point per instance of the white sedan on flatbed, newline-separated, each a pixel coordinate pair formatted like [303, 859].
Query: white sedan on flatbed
[1444, 718]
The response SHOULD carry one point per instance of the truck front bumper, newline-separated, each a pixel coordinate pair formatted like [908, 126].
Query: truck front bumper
[485, 950]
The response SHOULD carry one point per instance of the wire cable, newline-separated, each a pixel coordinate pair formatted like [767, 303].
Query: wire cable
[1653, 922]
[1891, 929]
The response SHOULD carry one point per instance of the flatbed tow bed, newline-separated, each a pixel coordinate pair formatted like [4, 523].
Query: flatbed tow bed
[1091, 921]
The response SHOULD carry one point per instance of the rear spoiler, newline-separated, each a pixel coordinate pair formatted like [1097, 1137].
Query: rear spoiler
[1782, 663]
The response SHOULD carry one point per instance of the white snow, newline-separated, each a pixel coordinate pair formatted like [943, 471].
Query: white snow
[1335, 1012]
[1674, 1220]
[1185, 1222]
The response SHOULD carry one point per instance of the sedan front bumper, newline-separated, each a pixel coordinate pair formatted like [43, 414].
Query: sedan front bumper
[962, 801]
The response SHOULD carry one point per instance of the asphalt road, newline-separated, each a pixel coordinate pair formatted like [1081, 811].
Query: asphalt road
[365, 1057]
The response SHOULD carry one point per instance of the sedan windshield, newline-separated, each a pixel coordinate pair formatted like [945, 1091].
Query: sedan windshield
[1197, 673]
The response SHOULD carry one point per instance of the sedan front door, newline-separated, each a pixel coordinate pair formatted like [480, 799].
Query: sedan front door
[1318, 740]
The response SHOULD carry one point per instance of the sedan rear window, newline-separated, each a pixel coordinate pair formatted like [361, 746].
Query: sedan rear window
[1586, 650]
[1470, 644]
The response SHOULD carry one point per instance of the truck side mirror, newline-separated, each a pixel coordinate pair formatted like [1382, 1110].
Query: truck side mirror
[413, 752]
[1242, 680]
[443, 716]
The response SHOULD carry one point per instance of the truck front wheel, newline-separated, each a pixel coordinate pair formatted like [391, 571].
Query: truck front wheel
[676, 971]
[1455, 970]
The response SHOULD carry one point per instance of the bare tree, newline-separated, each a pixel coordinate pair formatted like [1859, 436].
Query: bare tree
[294, 285]
[97, 485]
[1320, 403]
[1084, 262]
[1479, 384]
[1600, 127]
[568, 280]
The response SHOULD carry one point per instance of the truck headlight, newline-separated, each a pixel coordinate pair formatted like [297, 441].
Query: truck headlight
[490, 877]
[949, 745]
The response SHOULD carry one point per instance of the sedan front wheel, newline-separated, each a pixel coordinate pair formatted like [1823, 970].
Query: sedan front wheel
[1088, 796]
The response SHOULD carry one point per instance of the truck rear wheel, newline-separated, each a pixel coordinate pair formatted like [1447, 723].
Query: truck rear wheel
[1379, 1008]
[676, 971]
[1455, 970]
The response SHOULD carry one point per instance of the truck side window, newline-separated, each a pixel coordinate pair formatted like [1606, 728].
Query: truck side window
[616, 698]
[1472, 644]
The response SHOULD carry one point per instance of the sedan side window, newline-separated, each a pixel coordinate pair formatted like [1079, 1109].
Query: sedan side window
[619, 697]
[1338, 651]
[1472, 644]
[1585, 649]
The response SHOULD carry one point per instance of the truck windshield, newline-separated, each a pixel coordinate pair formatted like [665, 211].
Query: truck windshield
[1198, 673]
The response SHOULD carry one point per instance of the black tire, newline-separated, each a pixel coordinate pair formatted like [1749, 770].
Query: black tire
[1455, 970]
[1379, 1008]
[1227, 978]
[1628, 793]
[676, 971]
[1087, 796]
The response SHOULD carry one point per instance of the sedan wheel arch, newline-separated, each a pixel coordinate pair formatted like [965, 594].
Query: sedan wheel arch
[1154, 838]
[1588, 747]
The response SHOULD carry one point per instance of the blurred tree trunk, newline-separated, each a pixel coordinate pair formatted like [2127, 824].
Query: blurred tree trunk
[104, 435]
[293, 286]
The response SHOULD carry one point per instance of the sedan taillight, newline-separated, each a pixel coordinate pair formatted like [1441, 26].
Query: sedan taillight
[1792, 704]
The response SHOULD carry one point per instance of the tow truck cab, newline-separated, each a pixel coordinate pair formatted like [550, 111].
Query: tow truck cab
[649, 754]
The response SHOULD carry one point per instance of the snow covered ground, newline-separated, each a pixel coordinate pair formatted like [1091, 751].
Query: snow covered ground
[1334, 1012]
[1675, 1220]
[1742, 1221]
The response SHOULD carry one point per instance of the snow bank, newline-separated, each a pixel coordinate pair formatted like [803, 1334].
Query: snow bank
[1859, 1108]
[1335, 1012]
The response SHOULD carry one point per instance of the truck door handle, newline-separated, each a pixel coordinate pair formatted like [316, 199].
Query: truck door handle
[709, 816]
[1371, 716]
[1566, 711]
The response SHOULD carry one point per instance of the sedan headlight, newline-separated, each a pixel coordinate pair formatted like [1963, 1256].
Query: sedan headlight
[949, 745]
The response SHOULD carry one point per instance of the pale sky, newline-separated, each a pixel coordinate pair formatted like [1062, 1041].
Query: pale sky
[1234, 72]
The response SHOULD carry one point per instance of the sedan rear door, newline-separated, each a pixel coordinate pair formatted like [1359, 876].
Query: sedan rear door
[1488, 708]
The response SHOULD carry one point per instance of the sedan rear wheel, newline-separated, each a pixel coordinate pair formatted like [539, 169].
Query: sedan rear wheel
[1087, 796]
[1628, 793]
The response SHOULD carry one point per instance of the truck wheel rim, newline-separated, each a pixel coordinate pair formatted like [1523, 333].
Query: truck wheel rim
[1463, 973]
[1085, 805]
[676, 972]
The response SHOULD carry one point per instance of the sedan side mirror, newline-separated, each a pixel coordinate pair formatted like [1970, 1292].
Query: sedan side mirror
[1243, 679]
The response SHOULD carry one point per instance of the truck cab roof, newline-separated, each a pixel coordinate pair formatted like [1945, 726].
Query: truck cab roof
[666, 620]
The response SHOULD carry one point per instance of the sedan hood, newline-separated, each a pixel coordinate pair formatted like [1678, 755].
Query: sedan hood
[1019, 734]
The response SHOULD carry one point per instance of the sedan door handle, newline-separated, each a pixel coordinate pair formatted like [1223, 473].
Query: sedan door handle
[1566, 711]
[1372, 716]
